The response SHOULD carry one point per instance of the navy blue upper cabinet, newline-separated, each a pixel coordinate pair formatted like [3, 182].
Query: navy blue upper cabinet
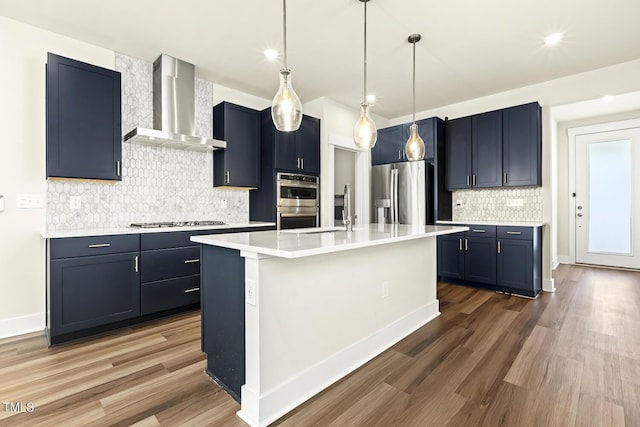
[522, 145]
[297, 151]
[84, 129]
[238, 165]
[458, 153]
[494, 149]
[486, 137]
[389, 147]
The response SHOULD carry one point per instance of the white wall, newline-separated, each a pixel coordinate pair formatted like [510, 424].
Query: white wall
[23, 50]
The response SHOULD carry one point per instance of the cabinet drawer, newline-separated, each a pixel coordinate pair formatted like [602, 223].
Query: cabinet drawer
[93, 245]
[522, 233]
[169, 263]
[167, 294]
[171, 239]
[481, 231]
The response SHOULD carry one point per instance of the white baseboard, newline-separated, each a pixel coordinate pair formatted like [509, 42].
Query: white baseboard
[548, 285]
[564, 259]
[555, 263]
[260, 411]
[22, 325]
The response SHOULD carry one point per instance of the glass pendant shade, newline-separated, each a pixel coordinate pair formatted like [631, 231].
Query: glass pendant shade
[415, 145]
[286, 108]
[365, 133]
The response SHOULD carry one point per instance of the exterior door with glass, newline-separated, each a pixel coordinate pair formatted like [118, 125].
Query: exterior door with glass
[607, 198]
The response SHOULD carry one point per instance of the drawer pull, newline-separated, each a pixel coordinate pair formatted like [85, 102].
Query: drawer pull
[499, 246]
[517, 233]
[136, 263]
[100, 245]
[191, 290]
[191, 261]
[460, 244]
[479, 231]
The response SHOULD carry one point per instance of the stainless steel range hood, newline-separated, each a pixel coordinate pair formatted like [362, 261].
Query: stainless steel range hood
[173, 109]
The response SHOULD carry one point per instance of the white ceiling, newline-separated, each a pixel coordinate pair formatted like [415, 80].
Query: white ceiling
[469, 48]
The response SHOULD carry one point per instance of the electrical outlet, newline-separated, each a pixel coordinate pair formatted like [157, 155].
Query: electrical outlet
[251, 290]
[515, 202]
[223, 203]
[385, 289]
[75, 202]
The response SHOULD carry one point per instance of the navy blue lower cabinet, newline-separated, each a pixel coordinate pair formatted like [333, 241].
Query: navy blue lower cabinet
[222, 301]
[91, 291]
[519, 261]
[451, 256]
[480, 260]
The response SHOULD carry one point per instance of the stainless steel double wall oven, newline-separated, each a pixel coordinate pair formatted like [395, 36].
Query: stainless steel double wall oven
[298, 201]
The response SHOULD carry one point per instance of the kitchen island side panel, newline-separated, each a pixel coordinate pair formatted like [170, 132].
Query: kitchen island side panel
[222, 302]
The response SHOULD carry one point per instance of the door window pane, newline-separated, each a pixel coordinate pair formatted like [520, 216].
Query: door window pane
[610, 197]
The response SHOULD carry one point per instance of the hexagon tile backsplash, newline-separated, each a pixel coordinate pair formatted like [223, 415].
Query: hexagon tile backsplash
[158, 184]
[501, 205]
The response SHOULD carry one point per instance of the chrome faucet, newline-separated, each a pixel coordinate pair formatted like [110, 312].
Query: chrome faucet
[346, 212]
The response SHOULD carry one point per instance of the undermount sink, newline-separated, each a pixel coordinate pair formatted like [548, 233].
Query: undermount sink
[313, 230]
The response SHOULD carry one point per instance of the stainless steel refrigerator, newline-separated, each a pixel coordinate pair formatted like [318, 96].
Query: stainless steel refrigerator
[402, 193]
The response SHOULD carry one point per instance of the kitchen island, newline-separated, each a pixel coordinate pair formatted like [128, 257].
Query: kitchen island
[287, 313]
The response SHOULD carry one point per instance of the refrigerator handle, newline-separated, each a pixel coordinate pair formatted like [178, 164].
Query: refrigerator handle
[396, 215]
[392, 195]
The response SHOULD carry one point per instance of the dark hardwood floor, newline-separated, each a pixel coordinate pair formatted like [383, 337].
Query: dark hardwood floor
[571, 358]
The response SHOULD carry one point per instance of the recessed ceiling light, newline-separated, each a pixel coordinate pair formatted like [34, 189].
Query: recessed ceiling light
[371, 99]
[553, 39]
[607, 98]
[271, 54]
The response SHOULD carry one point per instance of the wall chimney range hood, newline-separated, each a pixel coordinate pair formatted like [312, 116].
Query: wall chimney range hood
[173, 109]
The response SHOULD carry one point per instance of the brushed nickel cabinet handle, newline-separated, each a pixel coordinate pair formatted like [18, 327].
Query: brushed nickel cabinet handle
[474, 180]
[517, 233]
[191, 261]
[100, 245]
[466, 245]
[191, 290]
[118, 168]
[460, 244]
[505, 178]
[499, 246]
[227, 177]
[468, 181]
[136, 263]
[479, 231]
[302, 159]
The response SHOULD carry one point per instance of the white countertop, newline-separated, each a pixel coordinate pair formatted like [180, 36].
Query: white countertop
[315, 241]
[502, 224]
[136, 230]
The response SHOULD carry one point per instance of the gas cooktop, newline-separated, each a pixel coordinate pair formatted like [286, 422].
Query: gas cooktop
[175, 224]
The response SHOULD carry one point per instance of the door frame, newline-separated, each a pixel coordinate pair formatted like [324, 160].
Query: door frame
[572, 133]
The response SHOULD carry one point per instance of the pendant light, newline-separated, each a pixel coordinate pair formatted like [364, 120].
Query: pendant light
[415, 145]
[286, 109]
[365, 132]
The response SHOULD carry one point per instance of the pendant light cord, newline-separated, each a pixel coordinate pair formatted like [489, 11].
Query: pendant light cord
[284, 27]
[364, 89]
[414, 83]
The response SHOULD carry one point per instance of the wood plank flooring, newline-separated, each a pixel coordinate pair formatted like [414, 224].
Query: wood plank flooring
[571, 358]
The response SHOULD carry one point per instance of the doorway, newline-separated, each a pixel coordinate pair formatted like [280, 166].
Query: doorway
[344, 172]
[606, 205]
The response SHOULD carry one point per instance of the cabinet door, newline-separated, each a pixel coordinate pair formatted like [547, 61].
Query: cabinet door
[93, 291]
[390, 146]
[458, 153]
[238, 165]
[522, 145]
[426, 130]
[451, 256]
[308, 145]
[84, 135]
[486, 135]
[286, 153]
[515, 265]
[480, 260]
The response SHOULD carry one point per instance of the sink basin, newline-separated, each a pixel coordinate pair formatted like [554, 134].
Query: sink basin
[313, 230]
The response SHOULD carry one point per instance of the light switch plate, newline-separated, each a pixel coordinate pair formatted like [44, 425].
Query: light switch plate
[29, 201]
[1, 203]
[251, 289]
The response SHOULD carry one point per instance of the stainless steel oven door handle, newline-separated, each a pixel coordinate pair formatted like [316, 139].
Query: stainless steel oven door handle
[296, 214]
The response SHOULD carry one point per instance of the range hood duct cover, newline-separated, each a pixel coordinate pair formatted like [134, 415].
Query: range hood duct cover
[173, 109]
